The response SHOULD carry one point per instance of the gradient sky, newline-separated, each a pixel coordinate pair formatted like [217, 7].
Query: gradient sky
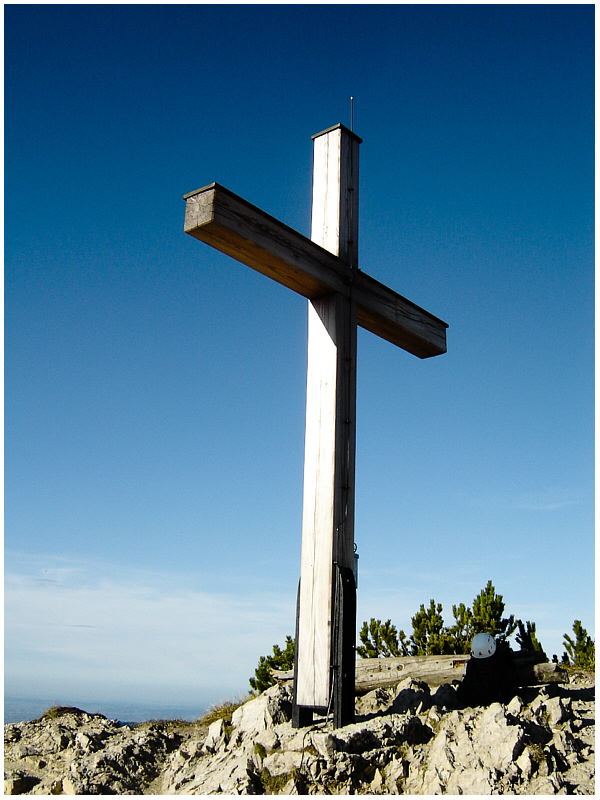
[155, 389]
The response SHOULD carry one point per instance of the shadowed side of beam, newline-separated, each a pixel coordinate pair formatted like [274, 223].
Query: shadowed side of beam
[391, 316]
[228, 223]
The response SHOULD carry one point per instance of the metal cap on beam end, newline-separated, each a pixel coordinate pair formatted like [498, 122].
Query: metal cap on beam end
[202, 189]
[335, 127]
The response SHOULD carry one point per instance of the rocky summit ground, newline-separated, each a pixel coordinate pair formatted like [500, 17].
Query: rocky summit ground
[408, 740]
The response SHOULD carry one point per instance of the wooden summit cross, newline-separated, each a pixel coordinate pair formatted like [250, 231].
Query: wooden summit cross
[325, 270]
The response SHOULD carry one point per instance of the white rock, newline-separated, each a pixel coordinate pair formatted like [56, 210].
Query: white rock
[267, 739]
[537, 705]
[524, 763]
[298, 740]
[550, 784]
[474, 750]
[235, 739]
[265, 711]
[564, 742]
[496, 742]
[559, 711]
[324, 744]
[282, 763]
[470, 781]
[377, 782]
[515, 706]
[68, 786]
[82, 740]
[215, 736]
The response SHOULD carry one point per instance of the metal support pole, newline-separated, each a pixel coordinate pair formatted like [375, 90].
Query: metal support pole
[344, 648]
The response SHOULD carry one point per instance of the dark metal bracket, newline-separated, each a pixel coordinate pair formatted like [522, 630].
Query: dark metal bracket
[343, 654]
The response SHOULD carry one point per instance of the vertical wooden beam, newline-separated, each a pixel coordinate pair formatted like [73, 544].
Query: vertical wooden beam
[328, 506]
[316, 601]
[334, 222]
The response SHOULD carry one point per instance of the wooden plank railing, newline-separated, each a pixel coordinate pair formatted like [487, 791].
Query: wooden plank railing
[373, 673]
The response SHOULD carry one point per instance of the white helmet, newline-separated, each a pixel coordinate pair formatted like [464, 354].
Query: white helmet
[483, 645]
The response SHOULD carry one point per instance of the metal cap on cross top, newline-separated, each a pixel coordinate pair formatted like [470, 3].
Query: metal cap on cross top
[323, 269]
[341, 127]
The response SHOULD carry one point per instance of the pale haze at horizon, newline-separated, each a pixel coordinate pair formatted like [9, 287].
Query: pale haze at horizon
[155, 389]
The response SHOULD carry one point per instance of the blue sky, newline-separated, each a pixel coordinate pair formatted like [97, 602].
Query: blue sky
[155, 389]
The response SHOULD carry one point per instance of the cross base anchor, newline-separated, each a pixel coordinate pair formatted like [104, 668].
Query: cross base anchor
[344, 656]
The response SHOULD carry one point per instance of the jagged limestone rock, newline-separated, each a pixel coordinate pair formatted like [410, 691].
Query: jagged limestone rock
[271, 707]
[539, 743]
[215, 737]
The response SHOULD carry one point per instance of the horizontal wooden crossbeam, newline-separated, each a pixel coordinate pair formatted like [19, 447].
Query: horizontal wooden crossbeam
[220, 218]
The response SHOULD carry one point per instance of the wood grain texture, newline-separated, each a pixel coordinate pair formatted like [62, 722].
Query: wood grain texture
[376, 673]
[316, 599]
[334, 218]
[391, 316]
[223, 220]
[328, 509]
[226, 222]
[328, 502]
[325, 211]
[372, 673]
[334, 227]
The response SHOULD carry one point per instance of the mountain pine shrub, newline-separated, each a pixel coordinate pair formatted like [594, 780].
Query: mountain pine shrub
[580, 651]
